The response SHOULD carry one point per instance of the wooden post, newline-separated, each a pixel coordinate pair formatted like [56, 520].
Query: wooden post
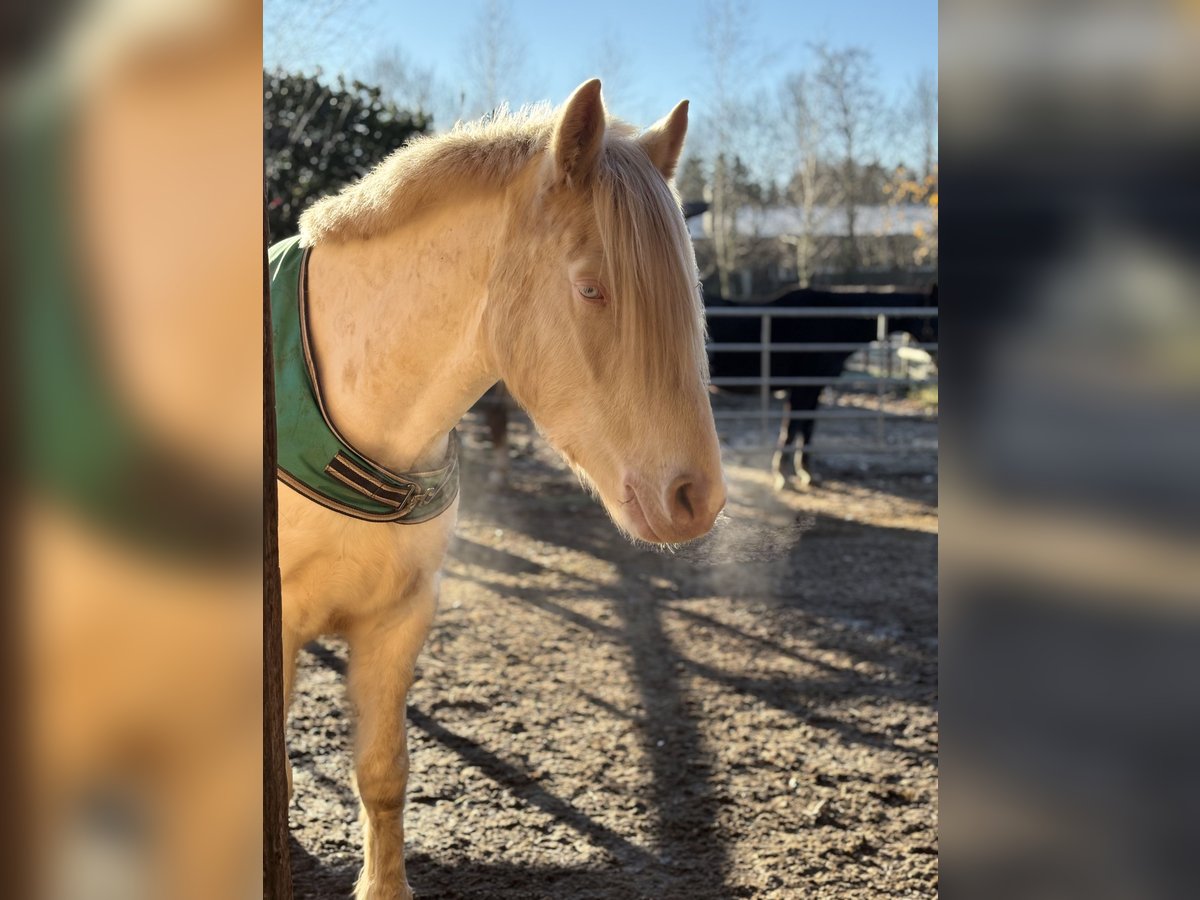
[277, 872]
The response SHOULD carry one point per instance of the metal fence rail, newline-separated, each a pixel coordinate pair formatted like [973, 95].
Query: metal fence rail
[768, 385]
[752, 381]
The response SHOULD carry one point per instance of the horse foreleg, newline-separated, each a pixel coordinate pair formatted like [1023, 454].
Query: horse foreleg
[781, 462]
[381, 672]
[497, 420]
[789, 466]
[291, 647]
[802, 473]
[211, 817]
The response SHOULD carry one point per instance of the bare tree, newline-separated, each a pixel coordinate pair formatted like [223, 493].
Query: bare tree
[609, 60]
[849, 102]
[410, 86]
[726, 36]
[690, 178]
[923, 112]
[297, 32]
[806, 138]
[495, 55]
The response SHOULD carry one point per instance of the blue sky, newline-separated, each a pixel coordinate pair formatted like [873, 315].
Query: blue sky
[660, 47]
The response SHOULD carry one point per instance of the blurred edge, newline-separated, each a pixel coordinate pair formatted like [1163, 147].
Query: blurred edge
[1070, 662]
[132, 196]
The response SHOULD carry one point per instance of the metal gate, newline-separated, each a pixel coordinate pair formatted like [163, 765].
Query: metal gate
[769, 420]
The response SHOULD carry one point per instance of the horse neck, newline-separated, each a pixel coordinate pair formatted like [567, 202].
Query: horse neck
[395, 324]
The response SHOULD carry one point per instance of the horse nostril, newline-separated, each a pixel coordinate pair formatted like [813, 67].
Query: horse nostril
[683, 499]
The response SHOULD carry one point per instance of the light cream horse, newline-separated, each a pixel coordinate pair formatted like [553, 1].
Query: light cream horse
[543, 248]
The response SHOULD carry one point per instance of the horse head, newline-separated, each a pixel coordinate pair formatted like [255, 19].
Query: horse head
[596, 323]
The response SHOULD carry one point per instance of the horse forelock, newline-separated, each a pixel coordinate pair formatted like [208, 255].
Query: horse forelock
[649, 265]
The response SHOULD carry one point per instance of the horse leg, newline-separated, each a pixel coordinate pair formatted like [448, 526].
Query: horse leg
[804, 432]
[781, 463]
[789, 465]
[807, 398]
[382, 660]
[497, 420]
[213, 814]
[291, 648]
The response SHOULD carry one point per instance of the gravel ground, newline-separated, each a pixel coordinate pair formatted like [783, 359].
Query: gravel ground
[754, 716]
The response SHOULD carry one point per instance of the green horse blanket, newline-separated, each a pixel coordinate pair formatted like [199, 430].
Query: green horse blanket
[313, 456]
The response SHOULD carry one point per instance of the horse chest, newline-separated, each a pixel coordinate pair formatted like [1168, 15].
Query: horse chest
[340, 573]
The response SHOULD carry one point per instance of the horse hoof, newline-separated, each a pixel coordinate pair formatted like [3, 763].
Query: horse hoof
[796, 483]
[383, 891]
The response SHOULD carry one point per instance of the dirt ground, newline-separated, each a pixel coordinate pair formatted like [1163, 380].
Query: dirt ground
[755, 716]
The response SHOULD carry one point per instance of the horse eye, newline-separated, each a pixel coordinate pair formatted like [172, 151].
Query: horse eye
[590, 292]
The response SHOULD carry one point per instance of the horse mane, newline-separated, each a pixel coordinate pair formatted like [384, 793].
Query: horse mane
[636, 210]
[485, 151]
[480, 153]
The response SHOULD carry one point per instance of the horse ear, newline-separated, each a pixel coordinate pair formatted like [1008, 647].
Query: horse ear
[663, 141]
[579, 134]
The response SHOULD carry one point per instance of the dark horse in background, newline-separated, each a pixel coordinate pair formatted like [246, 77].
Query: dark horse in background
[791, 468]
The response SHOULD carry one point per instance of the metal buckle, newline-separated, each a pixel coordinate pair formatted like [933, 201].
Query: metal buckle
[411, 500]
